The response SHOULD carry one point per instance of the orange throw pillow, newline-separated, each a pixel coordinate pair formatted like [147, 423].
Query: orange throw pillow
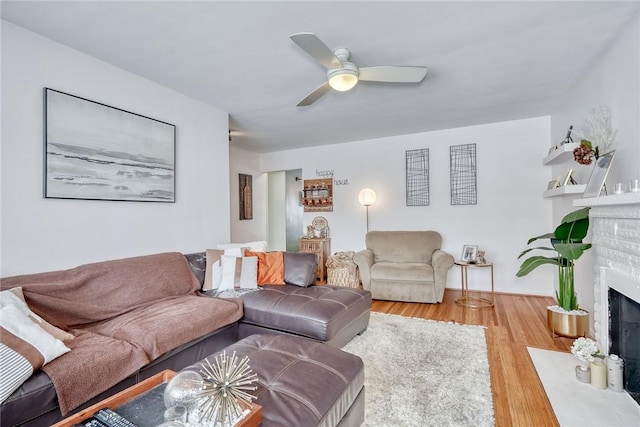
[270, 267]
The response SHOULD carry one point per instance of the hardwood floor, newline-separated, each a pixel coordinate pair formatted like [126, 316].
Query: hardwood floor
[516, 321]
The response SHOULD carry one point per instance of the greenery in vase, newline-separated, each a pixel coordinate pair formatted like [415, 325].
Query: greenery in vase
[566, 241]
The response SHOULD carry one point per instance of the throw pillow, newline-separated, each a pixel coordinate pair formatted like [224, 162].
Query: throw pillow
[300, 268]
[213, 272]
[270, 267]
[56, 332]
[24, 348]
[257, 246]
[239, 272]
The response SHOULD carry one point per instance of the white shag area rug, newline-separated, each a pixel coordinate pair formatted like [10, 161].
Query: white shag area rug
[424, 373]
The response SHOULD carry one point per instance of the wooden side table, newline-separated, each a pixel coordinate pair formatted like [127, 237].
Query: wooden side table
[322, 248]
[468, 300]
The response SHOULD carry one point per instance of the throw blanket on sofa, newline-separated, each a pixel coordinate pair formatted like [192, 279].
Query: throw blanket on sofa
[124, 314]
[99, 291]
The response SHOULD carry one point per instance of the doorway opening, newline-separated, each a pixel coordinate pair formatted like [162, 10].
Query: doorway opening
[285, 212]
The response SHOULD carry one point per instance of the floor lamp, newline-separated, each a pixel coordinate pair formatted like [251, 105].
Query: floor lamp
[367, 197]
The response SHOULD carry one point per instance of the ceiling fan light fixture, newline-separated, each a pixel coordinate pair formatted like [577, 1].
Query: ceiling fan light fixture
[343, 82]
[343, 75]
[343, 79]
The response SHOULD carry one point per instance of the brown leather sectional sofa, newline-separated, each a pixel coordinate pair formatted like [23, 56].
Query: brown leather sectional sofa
[327, 314]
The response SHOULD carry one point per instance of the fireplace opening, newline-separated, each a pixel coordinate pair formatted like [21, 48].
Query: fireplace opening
[624, 338]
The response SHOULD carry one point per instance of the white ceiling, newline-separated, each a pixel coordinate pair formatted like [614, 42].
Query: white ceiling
[488, 61]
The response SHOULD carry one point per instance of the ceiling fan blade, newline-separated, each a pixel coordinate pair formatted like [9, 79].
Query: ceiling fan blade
[316, 49]
[315, 95]
[392, 74]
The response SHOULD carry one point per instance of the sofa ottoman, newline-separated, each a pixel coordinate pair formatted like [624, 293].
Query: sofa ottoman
[302, 382]
[330, 314]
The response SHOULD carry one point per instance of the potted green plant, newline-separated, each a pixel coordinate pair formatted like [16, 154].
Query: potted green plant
[566, 319]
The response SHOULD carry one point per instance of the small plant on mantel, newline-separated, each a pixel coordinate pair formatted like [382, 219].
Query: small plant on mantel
[566, 241]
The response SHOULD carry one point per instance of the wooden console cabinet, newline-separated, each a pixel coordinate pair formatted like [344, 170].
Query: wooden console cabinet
[322, 248]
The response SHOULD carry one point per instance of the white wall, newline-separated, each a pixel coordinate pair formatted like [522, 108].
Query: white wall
[510, 206]
[44, 234]
[276, 212]
[246, 162]
[614, 81]
[511, 176]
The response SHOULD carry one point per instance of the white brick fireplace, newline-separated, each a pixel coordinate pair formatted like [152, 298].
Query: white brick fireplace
[615, 223]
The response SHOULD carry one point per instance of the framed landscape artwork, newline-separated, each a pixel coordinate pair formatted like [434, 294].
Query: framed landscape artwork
[97, 152]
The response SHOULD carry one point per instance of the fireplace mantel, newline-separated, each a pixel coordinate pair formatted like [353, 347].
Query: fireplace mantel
[613, 200]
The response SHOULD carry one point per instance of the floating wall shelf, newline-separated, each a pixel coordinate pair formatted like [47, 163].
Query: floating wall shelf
[560, 154]
[565, 190]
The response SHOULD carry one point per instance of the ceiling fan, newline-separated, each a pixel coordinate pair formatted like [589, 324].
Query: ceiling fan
[343, 75]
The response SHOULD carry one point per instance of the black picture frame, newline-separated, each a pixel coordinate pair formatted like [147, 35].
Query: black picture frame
[93, 151]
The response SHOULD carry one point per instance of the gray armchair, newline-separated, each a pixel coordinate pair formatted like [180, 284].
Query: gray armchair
[404, 266]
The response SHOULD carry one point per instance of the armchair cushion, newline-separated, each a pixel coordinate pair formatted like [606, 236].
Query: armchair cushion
[403, 246]
[411, 271]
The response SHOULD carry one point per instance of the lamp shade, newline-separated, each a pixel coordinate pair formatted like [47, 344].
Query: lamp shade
[344, 78]
[367, 197]
[343, 82]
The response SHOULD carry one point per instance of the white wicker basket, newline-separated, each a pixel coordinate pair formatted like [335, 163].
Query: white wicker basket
[342, 271]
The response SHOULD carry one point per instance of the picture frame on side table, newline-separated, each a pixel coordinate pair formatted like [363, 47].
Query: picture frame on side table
[469, 253]
[599, 175]
[93, 151]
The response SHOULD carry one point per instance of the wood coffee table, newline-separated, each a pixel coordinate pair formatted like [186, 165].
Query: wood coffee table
[252, 419]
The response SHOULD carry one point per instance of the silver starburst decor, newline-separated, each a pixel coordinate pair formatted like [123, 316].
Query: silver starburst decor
[225, 384]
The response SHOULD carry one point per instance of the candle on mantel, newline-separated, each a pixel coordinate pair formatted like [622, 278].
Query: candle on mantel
[598, 374]
[583, 374]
